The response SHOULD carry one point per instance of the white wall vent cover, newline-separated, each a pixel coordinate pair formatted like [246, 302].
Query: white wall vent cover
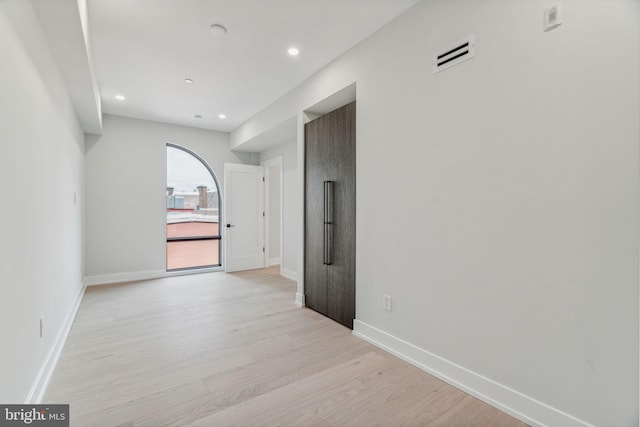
[454, 54]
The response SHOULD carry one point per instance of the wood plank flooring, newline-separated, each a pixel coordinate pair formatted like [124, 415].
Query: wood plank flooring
[223, 349]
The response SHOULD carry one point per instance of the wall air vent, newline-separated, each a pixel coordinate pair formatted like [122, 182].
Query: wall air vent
[454, 54]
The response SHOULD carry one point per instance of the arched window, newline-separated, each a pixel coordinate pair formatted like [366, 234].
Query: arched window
[193, 211]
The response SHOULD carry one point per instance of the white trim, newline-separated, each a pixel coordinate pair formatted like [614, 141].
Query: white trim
[506, 399]
[106, 279]
[266, 164]
[191, 271]
[300, 299]
[289, 274]
[41, 382]
[266, 213]
[292, 275]
[301, 119]
[135, 276]
[273, 261]
[232, 262]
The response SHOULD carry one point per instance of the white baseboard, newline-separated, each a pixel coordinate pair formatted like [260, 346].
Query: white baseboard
[300, 299]
[512, 402]
[174, 273]
[105, 279]
[293, 275]
[41, 382]
[273, 261]
[289, 274]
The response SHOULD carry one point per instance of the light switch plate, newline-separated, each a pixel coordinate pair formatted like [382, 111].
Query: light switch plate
[553, 16]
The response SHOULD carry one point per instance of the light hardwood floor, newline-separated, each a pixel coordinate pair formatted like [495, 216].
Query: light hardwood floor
[233, 350]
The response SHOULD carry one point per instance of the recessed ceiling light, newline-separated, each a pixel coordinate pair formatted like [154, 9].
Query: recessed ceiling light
[293, 51]
[189, 81]
[120, 97]
[198, 116]
[222, 116]
[218, 30]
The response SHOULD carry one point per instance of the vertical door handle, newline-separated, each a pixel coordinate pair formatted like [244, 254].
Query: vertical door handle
[325, 205]
[328, 223]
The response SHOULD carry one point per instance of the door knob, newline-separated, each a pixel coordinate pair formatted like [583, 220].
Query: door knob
[230, 225]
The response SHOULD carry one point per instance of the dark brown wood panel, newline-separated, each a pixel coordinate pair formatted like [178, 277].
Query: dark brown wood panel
[331, 156]
[341, 273]
[314, 271]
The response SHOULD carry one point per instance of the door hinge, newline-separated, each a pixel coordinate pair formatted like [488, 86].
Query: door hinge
[263, 179]
[263, 249]
[262, 213]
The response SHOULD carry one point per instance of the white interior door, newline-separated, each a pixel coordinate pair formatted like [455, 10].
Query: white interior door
[243, 217]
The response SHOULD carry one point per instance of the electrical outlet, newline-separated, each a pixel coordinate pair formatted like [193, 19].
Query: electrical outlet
[386, 302]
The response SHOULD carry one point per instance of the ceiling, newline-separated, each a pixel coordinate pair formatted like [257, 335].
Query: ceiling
[145, 49]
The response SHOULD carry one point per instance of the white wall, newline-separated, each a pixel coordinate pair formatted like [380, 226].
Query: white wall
[41, 171]
[290, 219]
[498, 200]
[126, 189]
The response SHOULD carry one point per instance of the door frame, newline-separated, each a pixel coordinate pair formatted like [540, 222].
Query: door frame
[330, 102]
[267, 164]
[260, 214]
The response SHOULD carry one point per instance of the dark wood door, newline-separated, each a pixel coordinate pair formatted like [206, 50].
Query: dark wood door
[330, 156]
